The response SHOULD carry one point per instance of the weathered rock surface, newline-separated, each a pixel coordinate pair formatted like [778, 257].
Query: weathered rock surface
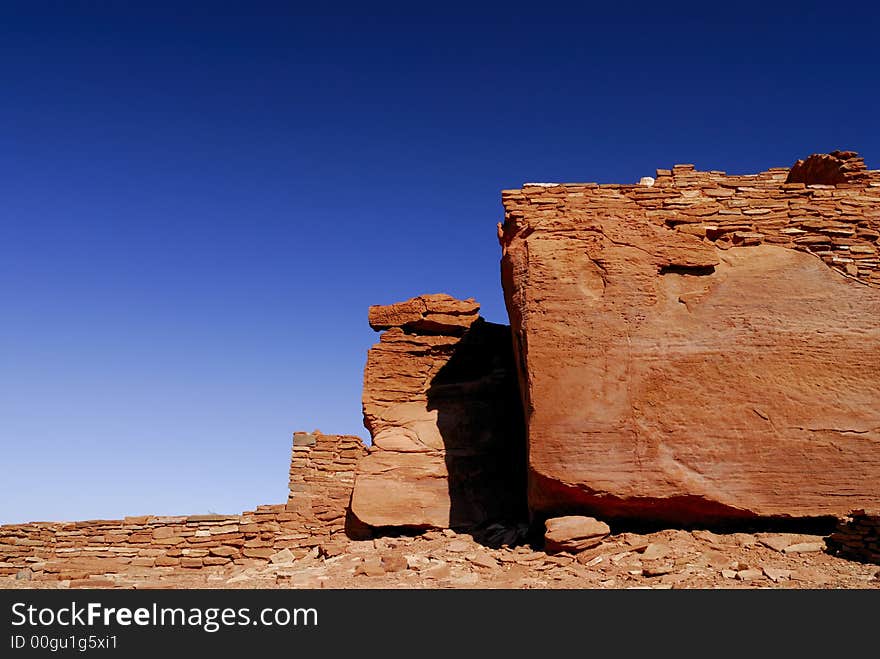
[573, 533]
[441, 403]
[671, 370]
[426, 314]
[829, 169]
[439, 559]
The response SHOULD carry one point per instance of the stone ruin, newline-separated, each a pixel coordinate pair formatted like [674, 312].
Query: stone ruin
[314, 519]
[706, 349]
[697, 349]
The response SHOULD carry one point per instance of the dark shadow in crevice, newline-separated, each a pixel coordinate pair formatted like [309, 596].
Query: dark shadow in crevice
[479, 416]
[805, 525]
[692, 270]
[650, 514]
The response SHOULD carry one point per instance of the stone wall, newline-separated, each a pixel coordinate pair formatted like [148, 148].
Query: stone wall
[90, 553]
[858, 537]
[322, 472]
[839, 223]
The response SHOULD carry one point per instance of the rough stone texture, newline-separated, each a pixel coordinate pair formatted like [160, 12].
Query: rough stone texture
[442, 559]
[858, 536]
[426, 314]
[444, 414]
[573, 533]
[314, 517]
[704, 349]
[322, 469]
[829, 169]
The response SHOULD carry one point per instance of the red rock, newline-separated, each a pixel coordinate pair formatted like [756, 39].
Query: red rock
[393, 562]
[216, 560]
[776, 542]
[828, 169]
[443, 412]
[749, 574]
[402, 489]
[439, 570]
[92, 583]
[282, 557]
[668, 379]
[426, 314]
[167, 561]
[805, 548]
[482, 559]
[573, 533]
[776, 574]
[655, 550]
[258, 552]
[657, 570]
[370, 567]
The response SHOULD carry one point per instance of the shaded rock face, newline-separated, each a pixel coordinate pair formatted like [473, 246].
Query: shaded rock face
[829, 169]
[441, 403]
[677, 375]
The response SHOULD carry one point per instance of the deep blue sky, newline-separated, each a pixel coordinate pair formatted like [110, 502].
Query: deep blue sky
[198, 202]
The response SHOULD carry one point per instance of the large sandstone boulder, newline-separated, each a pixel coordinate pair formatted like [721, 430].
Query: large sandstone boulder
[442, 407]
[704, 349]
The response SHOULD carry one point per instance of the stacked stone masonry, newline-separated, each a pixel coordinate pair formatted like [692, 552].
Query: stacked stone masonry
[90, 553]
[838, 223]
[322, 472]
[858, 537]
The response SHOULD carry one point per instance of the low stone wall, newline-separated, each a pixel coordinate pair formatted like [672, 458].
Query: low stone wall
[858, 537]
[89, 553]
[831, 214]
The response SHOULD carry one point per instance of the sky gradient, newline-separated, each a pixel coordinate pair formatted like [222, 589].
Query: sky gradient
[200, 201]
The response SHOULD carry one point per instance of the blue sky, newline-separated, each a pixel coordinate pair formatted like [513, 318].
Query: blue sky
[199, 201]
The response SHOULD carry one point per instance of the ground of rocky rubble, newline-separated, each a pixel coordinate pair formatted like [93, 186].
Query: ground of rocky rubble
[444, 559]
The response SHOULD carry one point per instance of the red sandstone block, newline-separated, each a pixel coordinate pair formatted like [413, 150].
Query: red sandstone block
[92, 583]
[288, 516]
[115, 538]
[194, 519]
[169, 541]
[45, 576]
[217, 560]
[269, 509]
[220, 538]
[97, 522]
[72, 575]
[165, 532]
